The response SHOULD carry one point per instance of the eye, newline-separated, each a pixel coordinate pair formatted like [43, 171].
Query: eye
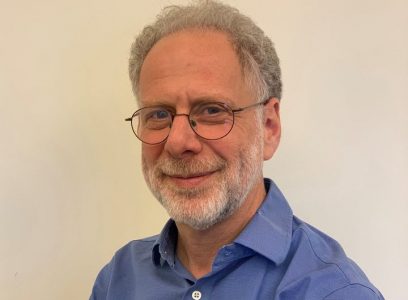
[160, 114]
[154, 117]
[210, 109]
[156, 114]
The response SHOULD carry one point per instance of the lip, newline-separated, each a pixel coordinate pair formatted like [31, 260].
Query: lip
[191, 180]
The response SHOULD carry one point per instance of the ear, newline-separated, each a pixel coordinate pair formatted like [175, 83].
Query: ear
[272, 127]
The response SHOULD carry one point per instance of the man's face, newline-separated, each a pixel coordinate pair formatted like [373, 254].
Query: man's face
[200, 182]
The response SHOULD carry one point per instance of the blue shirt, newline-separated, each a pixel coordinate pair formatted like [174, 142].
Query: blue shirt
[276, 256]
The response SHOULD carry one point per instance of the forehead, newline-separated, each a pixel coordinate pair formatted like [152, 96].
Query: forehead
[189, 65]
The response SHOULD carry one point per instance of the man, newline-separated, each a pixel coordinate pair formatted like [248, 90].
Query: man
[207, 80]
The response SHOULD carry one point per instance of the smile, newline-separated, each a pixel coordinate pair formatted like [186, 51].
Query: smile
[190, 181]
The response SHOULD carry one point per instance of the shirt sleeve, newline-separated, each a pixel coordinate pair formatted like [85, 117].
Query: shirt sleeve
[100, 288]
[354, 292]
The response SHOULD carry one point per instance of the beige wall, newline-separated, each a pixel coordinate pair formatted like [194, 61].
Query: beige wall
[71, 190]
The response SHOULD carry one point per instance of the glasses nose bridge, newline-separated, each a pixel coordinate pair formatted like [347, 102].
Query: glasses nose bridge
[180, 115]
[190, 122]
[176, 115]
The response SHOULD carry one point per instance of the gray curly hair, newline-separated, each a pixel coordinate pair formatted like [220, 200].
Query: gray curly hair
[256, 53]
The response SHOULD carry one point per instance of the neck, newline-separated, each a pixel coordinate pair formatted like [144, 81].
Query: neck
[196, 249]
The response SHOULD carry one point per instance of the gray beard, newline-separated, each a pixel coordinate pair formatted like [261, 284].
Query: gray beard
[202, 207]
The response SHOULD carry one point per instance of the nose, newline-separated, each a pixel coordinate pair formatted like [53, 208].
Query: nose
[182, 140]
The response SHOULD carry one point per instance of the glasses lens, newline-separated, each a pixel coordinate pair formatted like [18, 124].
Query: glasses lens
[152, 124]
[212, 120]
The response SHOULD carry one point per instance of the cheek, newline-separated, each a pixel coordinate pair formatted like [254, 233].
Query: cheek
[150, 153]
[226, 148]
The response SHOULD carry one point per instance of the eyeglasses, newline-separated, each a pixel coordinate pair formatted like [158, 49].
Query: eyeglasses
[209, 120]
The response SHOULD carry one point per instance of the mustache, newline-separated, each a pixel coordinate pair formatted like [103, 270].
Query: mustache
[170, 166]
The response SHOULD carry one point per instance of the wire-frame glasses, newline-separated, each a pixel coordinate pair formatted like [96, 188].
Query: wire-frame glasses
[209, 120]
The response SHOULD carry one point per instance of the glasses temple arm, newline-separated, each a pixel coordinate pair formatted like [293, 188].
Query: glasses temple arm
[264, 102]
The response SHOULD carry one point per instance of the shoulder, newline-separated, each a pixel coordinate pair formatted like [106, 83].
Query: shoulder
[354, 291]
[136, 254]
[139, 248]
[326, 251]
[319, 268]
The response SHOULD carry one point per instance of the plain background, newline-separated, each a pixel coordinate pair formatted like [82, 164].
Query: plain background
[71, 187]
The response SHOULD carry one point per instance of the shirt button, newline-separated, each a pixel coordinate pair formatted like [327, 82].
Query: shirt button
[196, 295]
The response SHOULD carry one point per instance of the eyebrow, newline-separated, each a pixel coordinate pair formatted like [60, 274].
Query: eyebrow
[192, 102]
[213, 98]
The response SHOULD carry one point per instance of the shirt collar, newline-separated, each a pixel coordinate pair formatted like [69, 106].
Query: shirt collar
[165, 246]
[269, 233]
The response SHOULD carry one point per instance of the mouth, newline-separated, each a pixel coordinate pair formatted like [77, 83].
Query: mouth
[190, 180]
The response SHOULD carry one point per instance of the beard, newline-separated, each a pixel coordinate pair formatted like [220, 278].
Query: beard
[219, 196]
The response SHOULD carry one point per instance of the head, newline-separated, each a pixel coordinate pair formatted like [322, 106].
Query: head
[207, 52]
[256, 53]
